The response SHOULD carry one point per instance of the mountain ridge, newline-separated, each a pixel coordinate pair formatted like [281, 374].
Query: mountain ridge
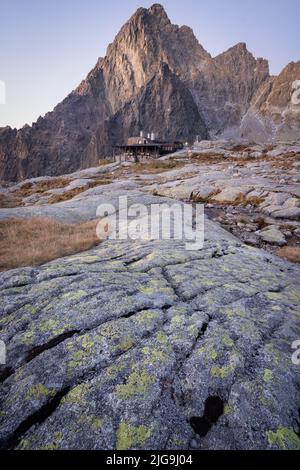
[199, 95]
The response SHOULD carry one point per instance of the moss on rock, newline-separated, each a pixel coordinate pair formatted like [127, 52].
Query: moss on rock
[129, 436]
[284, 439]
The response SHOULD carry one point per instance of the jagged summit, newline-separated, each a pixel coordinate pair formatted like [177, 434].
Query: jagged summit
[158, 10]
[198, 95]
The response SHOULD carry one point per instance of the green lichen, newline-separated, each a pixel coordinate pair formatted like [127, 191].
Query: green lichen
[161, 337]
[48, 325]
[180, 310]
[228, 410]
[85, 345]
[77, 395]
[55, 444]
[267, 401]
[276, 308]
[222, 372]
[179, 278]
[147, 290]
[154, 287]
[146, 317]
[96, 423]
[111, 331]
[201, 351]
[229, 286]
[193, 330]
[213, 354]
[228, 341]
[233, 312]
[284, 438]
[93, 422]
[274, 353]
[178, 442]
[125, 344]
[28, 337]
[25, 444]
[154, 355]
[274, 296]
[87, 342]
[114, 370]
[129, 436]
[208, 283]
[268, 376]
[137, 384]
[31, 309]
[177, 321]
[292, 294]
[79, 356]
[5, 320]
[38, 391]
[75, 295]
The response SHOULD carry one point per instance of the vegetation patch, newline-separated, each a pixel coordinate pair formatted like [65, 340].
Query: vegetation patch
[129, 436]
[284, 439]
[291, 253]
[7, 201]
[32, 242]
[67, 195]
[29, 188]
[137, 384]
[157, 166]
[210, 158]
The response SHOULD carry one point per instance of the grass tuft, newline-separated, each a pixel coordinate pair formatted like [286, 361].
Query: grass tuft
[291, 253]
[32, 242]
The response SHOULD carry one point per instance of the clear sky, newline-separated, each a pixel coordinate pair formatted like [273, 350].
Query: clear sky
[49, 46]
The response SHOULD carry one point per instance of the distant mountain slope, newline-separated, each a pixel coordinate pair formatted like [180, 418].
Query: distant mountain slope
[275, 109]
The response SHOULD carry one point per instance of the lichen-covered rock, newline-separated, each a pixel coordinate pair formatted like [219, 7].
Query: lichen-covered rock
[132, 345]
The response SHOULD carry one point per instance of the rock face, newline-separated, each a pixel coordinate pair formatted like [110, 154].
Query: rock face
[129, 346]
[155, 76]
[275, 109]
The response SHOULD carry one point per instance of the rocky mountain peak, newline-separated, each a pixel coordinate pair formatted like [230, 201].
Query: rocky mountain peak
[155, 75]
[159, 12]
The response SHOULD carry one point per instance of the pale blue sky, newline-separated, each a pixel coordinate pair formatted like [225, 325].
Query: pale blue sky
[49, 46]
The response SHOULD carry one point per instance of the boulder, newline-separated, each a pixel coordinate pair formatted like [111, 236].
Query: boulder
[203, 193]
[292, 202]
[272, 235]
[292, 213]
[231, 196]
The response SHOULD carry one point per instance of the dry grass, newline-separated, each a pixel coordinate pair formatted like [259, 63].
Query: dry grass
[285, 161]
[156, 166]
[106, 162]
[67, 195]
[260, 222]
[7, 201]
[38, 240]
[254, 201]
[241, 148]
[291, 253]
[27, 189]
[197, 198]
[210, 158]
